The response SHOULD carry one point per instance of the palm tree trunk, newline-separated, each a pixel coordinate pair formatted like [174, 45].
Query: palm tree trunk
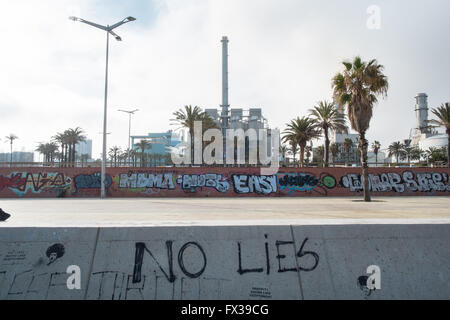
[448, 148]
[327, 147]
[363, 146]
[302, 152]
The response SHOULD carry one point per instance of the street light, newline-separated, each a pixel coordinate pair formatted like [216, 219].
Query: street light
[109, 30]
[129, 130]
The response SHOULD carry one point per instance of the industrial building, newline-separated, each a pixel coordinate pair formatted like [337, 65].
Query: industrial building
[425, 135]
[237, 118]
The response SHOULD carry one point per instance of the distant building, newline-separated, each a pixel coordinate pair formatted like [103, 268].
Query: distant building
[338, 137]
[237, 118]
[425, 135]
[84, 147]
[160, 144]
[17, 156]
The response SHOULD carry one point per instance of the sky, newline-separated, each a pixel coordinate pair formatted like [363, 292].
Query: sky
[282, 56]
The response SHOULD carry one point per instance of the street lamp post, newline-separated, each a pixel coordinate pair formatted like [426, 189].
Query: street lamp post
[109, 30]
[129, 130]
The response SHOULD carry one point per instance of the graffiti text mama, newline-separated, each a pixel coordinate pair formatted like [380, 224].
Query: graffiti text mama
[208, 148]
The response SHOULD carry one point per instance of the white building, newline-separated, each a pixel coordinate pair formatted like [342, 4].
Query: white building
[425, 135]
[84, 147]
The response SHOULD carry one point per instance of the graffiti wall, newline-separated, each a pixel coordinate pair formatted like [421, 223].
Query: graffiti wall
[225, 262]
[220, 182]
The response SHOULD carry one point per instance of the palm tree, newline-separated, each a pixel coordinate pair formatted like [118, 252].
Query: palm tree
[348, 145]
[396, 149]
[320, 150]
[376, 145]
[293, 149]
[358, 87]
[61, 138]
[300, 131]
[11, 139]
[74, 137]
[443, 114]
[308, 150]
[143, 145]
[327, 117]
[334, 150]
[186, 118]
[113, 153]
[283, 151]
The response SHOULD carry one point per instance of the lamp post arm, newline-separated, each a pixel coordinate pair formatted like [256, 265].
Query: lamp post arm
[93, 24]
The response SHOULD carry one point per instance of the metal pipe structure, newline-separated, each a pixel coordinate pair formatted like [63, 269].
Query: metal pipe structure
[224, 115]
[129, 130]
[109, 30]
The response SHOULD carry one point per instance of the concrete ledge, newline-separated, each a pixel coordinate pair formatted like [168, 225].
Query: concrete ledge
[227, 262]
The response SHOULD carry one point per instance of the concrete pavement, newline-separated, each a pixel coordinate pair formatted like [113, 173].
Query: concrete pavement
[223, 211]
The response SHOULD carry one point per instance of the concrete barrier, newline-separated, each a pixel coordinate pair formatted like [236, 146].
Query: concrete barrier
[228, 262]
[220, 182]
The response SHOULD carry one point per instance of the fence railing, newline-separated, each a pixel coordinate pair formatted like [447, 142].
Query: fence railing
[153, 165]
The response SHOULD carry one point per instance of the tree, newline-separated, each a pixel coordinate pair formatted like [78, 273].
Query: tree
[443, 115]
[308, 150]
[11, 139]
[143, 145]
[186, 118]
[327, 116]
[437, 154]
[114, 153]
[48, 150]
[376, 145]
[396, 149]
[348, 145]
[358, 87]
[320, 150]
[293, 148]
[283, 151]
[74, 137]
[300, 131]
[334, 150]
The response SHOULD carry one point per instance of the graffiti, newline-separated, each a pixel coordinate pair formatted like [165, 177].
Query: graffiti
[22, 182]
[392, 181]
[117, 285]
[146, 180]
[54, 252]
[192, 181]
[91, 181]
[222, 182]
[141, 248]
[243, 183]
[300, 181]
[281, 268]
[15, 181]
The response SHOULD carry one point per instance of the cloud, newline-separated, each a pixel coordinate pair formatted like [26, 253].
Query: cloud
[282, 55]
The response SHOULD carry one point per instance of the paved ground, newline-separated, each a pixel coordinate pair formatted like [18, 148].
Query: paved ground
[222, 211]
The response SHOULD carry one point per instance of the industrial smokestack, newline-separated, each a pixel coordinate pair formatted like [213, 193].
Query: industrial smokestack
[224, 115]
[225, 104]
[421, 109]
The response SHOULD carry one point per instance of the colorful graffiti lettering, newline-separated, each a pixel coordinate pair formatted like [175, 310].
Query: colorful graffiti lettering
[14, 181]
[22, 182]
[189, 182]
[146, 180]
[243, 183]
[91, 181]
[392, 181]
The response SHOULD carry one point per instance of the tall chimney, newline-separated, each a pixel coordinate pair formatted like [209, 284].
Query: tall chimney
[224, 115]
[225, 104]
[421, 109]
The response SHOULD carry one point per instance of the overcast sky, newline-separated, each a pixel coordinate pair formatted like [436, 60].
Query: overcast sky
[282, 56]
